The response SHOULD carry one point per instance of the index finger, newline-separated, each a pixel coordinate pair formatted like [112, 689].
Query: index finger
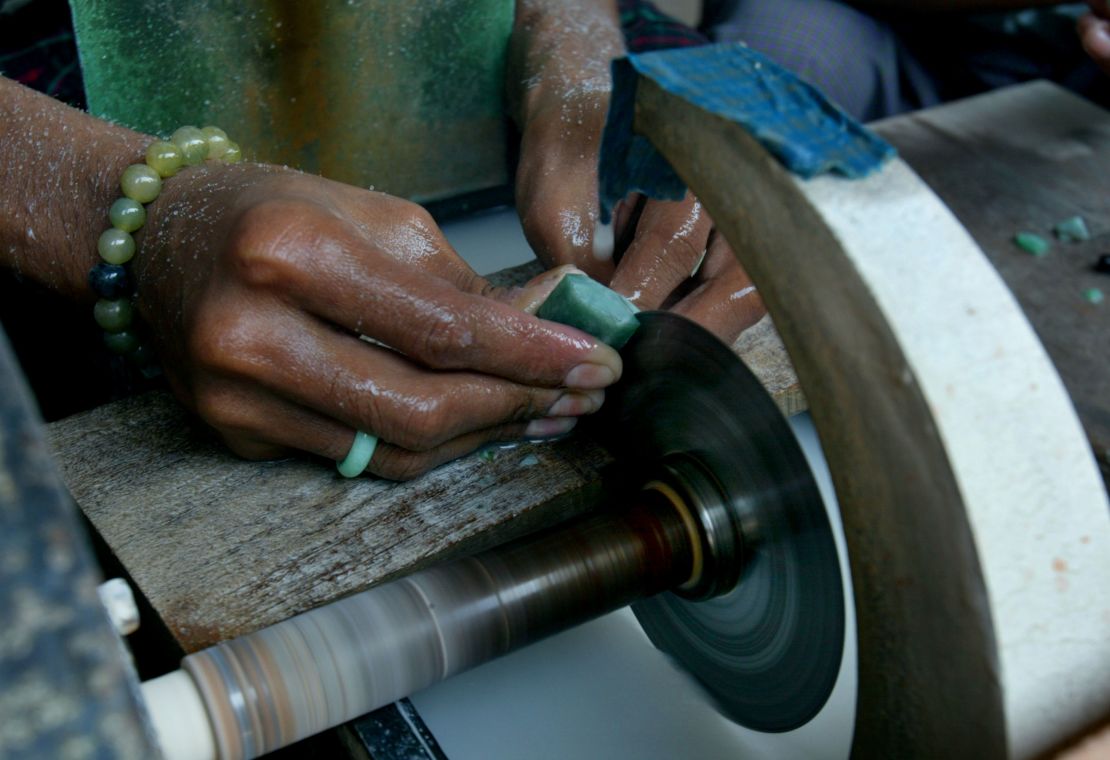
[669, 244]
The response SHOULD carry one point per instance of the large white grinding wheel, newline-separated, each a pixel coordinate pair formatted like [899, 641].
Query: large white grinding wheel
[977, 525]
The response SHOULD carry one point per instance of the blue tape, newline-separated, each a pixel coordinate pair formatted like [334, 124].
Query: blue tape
[790, 118]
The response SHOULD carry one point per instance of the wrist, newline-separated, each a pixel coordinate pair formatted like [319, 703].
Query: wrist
[559, 54]
[141, 183]
[60, 171]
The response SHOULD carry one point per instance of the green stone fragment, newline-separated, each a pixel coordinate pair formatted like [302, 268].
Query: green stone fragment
[1031, 243]
[217, 141]
[140, 183]
[588, 305]
[193, 144]
[127, 215]
[1094, 295]
[123, 342]
[113, 316]
[116, 246]
[165, 158]
[1072, 230]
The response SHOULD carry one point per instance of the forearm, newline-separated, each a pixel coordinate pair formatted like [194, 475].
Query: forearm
[59, 173]
[560, 49]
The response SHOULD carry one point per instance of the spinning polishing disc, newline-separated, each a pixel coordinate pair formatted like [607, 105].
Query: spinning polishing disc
[769, 649]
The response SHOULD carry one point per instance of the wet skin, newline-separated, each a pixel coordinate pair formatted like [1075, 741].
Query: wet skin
[559, 59]
[257, 281]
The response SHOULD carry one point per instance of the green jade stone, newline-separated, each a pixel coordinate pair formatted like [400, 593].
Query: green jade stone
[580, 302]
[193, 144]
[1073, 230]
[127, 215]
[123, 342]
[1031, 243]
[113, 316]
[140, 183]
[165, 158]
[116, 246]
[218, 141]
[1094, 295]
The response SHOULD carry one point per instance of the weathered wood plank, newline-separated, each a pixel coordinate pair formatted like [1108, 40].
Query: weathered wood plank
[222, 546]
[1026, 158]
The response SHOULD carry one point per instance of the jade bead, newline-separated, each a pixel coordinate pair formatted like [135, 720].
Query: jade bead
[217, 141]
[123, 342]
[110, 281]
[116, 246]
[193, 144]
[165, 158]
[232, 155]
[140, 183]
[113, 316]
[127, 215]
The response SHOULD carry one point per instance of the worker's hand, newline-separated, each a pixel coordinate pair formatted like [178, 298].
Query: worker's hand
[1094, 33]
[672, 257]
[559, 91]
[556, 179]
[258, 281]
[669, 254]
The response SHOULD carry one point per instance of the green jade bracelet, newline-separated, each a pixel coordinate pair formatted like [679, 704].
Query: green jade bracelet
[111, 278]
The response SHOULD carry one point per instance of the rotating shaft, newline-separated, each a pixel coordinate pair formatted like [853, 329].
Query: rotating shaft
[268, 689]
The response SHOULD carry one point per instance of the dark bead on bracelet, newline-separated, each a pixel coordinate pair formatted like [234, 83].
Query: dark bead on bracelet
[110, 281]
[123, 342]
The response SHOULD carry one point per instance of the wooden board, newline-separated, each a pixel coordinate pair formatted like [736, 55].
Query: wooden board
[221, 546]
[1026, 158]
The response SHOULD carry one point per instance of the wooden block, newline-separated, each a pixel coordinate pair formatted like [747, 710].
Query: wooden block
[222, 546]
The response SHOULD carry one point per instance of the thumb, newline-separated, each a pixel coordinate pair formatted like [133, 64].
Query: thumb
[531, 295]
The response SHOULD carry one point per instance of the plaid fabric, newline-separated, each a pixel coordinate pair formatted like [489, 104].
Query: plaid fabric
[805, 132]
[646, 28]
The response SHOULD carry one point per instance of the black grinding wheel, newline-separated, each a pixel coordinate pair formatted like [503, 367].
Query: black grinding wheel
[769, 650]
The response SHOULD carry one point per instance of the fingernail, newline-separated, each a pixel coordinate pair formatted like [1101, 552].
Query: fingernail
[590, 376]
[603, 242]
[531, 296]
[549, 427]
[576, 404]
